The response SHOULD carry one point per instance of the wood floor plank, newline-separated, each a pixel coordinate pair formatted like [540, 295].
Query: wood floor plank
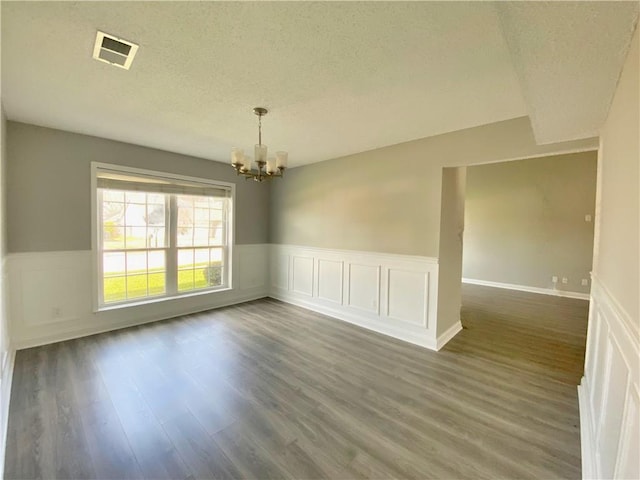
[30, 441]
[109, 447]
[347, 389]
[198, 449]
[269, 390]
[155, 453]
[71, 450]
[246, 453]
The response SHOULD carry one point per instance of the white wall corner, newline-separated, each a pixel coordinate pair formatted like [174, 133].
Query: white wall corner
[448, 334]
[587, 436]
[5, 403]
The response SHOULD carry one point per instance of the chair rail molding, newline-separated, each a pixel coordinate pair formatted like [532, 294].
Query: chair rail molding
[395, 295]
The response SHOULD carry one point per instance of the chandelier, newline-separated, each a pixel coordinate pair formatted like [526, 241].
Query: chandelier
[267, 167]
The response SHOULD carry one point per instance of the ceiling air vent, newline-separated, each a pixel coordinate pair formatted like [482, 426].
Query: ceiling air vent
[114, 50]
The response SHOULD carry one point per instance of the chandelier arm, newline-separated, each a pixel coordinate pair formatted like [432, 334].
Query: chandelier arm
[259, 175]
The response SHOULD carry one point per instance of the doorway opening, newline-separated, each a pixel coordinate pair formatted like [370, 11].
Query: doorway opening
[525, 239]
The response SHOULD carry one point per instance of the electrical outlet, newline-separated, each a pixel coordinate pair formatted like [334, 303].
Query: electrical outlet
[56, 312]
[565, 280]
[585, 282]
[587, 218]
[554, 279]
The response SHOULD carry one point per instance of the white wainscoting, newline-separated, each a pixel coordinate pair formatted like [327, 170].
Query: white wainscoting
[50, 295]
[392, 294]
[609, 391]
[7, 361]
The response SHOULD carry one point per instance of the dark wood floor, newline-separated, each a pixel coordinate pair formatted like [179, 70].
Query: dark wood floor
[268, 390]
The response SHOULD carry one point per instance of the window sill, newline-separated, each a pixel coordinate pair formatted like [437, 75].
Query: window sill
[151, 301]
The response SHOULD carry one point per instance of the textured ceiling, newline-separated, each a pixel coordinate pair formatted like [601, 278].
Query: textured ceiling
[568, 63]
[338, 78]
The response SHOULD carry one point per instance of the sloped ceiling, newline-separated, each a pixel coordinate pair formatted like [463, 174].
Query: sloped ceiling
[338, 78]
[568, 62]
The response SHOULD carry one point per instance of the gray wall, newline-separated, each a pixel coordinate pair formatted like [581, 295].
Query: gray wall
[450, 255]
[388, 200]
[525, 221]
[49, 187]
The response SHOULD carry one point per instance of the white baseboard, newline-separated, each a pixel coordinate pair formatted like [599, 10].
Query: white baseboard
[395, 295]
[451, 332]
[5, 400]
[101, 328]
[61, 281]
[525, 288]
[415, 336]
[587, 437]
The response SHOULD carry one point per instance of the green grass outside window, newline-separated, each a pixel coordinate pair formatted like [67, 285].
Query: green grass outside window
[138, 283]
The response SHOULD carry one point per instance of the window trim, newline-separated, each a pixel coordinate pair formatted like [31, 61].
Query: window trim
[95, 227]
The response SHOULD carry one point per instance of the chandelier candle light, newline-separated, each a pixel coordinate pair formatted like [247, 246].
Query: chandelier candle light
[268, 167]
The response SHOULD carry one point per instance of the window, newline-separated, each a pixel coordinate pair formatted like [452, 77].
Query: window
[159, 236]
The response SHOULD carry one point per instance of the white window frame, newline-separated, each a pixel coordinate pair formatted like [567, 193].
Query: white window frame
[98, 276]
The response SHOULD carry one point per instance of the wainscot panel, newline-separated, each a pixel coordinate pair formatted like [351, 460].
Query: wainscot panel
[391, 294]
[50, 295]
[609, 391]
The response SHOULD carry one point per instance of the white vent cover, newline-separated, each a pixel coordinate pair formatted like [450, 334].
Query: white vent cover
[114, 50]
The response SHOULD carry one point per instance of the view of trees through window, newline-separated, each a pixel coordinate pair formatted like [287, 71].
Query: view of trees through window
[144, 256]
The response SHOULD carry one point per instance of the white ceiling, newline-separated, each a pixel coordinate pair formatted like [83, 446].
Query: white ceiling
[568, 62]
[338, 78]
